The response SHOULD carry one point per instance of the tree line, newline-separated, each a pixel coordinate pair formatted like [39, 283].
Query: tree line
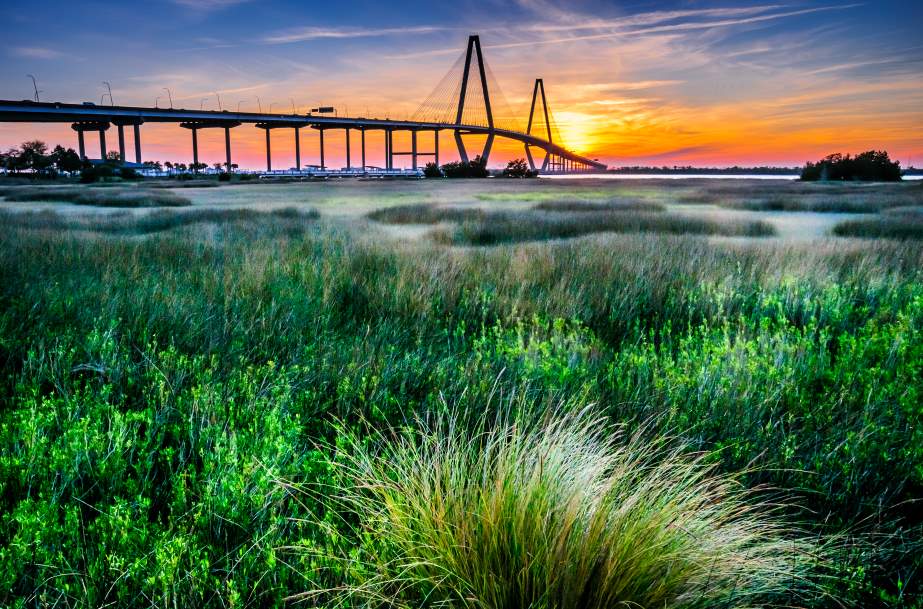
[870, 166]
[33, 156]
[477, 168]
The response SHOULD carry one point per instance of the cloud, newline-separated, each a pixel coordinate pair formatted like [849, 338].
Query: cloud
[629, 86]
[676, 27]
[208, 5]
[316, 33]
[624, 102]
[37, 53]
[651, 18]
[644, 24]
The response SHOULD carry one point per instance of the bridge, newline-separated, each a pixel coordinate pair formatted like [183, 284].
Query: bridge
[461, 105]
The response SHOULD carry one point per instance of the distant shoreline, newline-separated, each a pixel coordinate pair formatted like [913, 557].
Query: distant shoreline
[610, 175]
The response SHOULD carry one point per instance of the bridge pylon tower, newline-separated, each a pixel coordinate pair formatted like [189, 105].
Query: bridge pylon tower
[539, 87]
[474, 49]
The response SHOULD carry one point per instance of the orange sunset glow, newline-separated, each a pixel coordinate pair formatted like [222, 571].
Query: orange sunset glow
[710, 85]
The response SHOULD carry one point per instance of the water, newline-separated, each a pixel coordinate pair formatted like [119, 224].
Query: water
[681, 176]
[670, 176]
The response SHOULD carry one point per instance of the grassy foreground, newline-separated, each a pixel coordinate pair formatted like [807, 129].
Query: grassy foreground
[169, 405]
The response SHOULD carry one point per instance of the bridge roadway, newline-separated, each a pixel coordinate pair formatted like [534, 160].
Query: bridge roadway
[91, 117]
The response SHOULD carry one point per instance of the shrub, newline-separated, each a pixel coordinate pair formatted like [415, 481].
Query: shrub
[475, 168]
[432, 170]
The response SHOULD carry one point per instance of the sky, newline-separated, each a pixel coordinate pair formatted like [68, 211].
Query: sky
[630, 83]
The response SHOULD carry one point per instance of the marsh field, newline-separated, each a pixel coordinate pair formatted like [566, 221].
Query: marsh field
[488, 394]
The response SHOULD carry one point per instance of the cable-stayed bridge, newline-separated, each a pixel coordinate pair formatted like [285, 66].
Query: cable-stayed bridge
[467, 101]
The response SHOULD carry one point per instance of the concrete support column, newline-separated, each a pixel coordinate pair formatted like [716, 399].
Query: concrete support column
[81, 145]
[137, 129]
[323, 166]
[102, 144]
[121, 143]
[268, 151]
[195, 149]
[227, 149]
[436, 147]
[363, 150]
[297, 149]
[349, 162]
[413, 149]
[390, 148]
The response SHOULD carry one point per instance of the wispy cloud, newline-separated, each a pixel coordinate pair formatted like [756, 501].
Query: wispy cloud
[650, 18]
[644, 24]
[208, 5]
[37, 52]
[628, 85]
[317, 33]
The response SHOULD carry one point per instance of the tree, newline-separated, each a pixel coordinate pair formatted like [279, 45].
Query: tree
[518, 168]
[432, 170]
[66, 160]
[217, 166]
[15, 162]
[34, 155]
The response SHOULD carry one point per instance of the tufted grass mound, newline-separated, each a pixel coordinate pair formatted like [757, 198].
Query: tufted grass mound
[563, 512]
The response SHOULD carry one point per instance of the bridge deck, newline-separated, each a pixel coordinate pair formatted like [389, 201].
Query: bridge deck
[56, 112]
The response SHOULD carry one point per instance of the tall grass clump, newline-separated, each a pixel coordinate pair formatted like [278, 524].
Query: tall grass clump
[562, 511]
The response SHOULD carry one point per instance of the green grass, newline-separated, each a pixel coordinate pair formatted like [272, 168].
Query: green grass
[560, 510]
[164, 395]
[100, 196]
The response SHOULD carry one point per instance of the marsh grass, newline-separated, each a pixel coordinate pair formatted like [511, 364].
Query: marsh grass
[589, 206]
[511, 227]
[560, 510]
[801, 197]
[907, 225]
[153, 222]
[154, 392]
[99, 196]
[423, 213]
[558, 220]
